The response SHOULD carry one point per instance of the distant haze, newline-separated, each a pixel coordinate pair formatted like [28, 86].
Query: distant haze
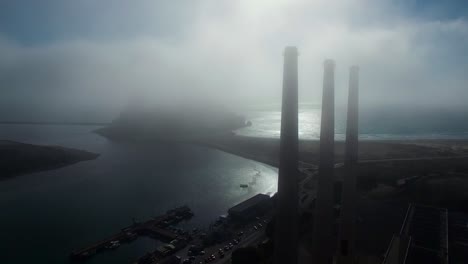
[89, 59]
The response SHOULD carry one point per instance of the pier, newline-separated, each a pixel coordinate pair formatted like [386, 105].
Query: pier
[156, 228]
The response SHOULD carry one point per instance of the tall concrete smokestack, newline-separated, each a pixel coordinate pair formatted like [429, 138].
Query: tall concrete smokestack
[287, 196]
[351, 154]
[323, 243]
[347, 234]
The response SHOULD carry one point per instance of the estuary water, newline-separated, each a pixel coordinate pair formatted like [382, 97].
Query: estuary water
[45, 215]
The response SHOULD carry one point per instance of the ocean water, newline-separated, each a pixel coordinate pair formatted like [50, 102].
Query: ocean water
[45, 215]
[392, 123]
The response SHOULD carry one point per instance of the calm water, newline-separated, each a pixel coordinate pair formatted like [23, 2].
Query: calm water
[45, 215]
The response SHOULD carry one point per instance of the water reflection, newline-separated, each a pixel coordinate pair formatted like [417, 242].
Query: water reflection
[50, 213]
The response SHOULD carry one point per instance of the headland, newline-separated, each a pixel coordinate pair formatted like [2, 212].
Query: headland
[20, 158]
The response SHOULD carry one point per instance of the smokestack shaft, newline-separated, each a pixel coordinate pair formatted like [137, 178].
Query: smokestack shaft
[287, 196]
[351, 151]
[324, 222]
[349, 198]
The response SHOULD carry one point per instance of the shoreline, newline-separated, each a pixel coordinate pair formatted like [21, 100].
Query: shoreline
[241, 154]
[265, 150]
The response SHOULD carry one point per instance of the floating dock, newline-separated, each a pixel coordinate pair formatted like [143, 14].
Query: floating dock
[156, 227]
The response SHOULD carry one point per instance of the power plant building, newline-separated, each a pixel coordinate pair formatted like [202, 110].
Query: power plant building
[251, 208]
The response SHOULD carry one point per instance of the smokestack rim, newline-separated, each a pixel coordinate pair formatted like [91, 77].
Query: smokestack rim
[290, 51]
[329, 63]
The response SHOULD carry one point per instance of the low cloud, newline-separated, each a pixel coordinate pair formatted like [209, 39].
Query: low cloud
[231, 53]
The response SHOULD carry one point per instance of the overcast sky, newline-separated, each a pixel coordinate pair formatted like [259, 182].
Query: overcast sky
[78, 57]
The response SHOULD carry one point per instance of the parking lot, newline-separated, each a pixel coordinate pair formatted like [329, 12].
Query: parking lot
[248, 234]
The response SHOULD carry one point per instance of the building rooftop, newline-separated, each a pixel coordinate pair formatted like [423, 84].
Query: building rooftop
[249, 203]
[423, 237]
[458, 237]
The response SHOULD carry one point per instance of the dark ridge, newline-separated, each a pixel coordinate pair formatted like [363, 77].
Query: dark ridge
[20, 158]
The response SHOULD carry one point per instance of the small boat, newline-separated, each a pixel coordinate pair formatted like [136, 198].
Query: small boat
[244, 186]
[113, 244]
[131, 236]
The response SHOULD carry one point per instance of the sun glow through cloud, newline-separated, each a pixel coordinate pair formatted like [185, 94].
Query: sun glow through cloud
[230, 52]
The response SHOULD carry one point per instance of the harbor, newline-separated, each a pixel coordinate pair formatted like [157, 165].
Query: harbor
[240, 227]
[156, 228]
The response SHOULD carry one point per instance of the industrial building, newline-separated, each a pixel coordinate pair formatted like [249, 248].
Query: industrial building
[458, 237]
[250, 208]
[423, 237]
[324, 234]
